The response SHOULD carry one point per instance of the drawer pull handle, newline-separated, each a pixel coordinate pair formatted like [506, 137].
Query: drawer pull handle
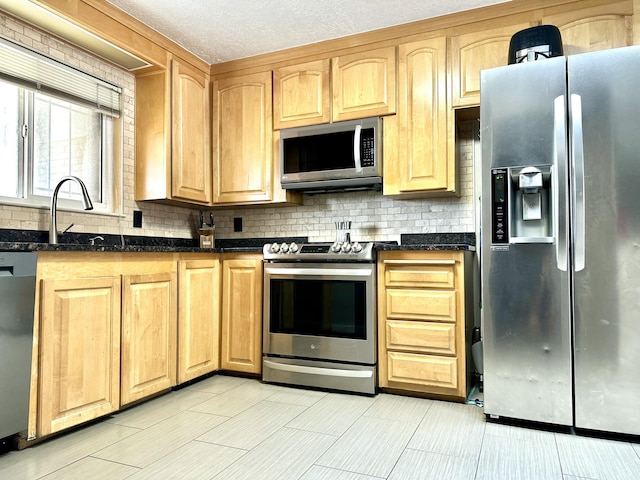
[419, 262]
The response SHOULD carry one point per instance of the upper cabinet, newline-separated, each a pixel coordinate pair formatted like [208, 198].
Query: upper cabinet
[347, 87]
[301, 94]
[190, 149]
[244, 170]
[242, 139]
[418, 141]
[173, 161]
[591, 29]
[473, 52]
[364, 84]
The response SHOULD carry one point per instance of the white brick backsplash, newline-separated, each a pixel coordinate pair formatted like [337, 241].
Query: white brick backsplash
[373, 216]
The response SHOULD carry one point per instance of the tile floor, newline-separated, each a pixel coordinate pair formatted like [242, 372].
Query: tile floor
[235, 428]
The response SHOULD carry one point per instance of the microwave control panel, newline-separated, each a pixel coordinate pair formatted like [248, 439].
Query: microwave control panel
[368, 146]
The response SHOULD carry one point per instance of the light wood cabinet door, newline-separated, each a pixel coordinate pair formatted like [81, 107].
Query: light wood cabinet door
[173, 159]
[242, 314]
[419, 157]
[364, 84]
[476, 51]
[600, 27]
[153, 135]
[148, 335]
[198, 318]
[190, 154]
[242, 139]
[301, 94]
[79, 367]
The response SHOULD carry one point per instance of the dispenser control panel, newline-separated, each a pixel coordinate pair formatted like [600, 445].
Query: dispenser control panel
[500, 205]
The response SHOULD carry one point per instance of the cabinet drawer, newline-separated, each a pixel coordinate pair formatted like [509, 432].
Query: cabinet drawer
[424, 370]
[431, 305]
[426, 337]
[430, 274]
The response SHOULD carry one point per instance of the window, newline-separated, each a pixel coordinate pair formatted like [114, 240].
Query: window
[51, 126]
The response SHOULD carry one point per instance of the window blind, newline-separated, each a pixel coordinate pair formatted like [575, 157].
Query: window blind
[42, 74]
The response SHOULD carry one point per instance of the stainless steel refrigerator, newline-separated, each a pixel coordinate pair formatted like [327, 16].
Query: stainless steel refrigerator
[560, 241]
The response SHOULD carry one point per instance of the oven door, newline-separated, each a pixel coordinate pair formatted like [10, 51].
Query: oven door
[320, 311]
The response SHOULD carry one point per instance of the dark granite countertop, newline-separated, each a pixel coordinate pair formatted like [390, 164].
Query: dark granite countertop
[37, 241]
[433, 241]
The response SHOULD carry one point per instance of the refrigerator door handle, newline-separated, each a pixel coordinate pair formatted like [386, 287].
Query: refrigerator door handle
[558, 178]
[577, 168]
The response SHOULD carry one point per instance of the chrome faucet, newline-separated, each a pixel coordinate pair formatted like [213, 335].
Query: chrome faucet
[92, 240]
[53, 214]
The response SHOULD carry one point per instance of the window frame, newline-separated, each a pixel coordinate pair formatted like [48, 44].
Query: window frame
[111, 179]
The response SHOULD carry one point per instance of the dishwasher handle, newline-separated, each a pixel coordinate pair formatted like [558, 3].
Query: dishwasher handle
[6, 270]
[18, 264]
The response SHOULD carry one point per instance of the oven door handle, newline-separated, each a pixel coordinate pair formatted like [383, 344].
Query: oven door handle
[320, 272]
[333, 372]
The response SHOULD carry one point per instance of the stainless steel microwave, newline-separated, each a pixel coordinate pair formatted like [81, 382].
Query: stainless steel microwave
[342, 155]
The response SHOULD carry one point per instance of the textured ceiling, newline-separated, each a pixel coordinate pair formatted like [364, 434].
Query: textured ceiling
[222, 30]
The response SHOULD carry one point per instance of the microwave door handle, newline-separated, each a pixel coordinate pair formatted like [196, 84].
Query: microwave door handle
[356, 148]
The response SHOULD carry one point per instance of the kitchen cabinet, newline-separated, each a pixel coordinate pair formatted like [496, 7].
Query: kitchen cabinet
[148, 334]
[419, 155]
[472, 52]
[364, 84]
[242, 313]
[79, 355]
[301, 94]
[422, 327]
[245, 171]
[107, 327]
[190, 131]
[198, 317]
[590, 29]
[173, 160]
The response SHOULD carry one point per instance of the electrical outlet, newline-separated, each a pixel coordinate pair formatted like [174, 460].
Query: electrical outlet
[137, 219]
[237, 224]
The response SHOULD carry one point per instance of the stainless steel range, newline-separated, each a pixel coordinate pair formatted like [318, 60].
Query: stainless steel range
[319, 315]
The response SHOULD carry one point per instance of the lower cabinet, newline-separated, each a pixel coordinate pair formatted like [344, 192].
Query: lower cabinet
[79, 351]
[113, 328]
[149, 332]
[421, 322]
[242, 313]
[198, 318]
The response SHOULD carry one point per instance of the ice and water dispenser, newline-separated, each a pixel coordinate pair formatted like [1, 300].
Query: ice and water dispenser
[522, 210]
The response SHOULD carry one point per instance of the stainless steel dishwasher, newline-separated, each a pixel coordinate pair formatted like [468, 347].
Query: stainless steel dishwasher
[17, 299]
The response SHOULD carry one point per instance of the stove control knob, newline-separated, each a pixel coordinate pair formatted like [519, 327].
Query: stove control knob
[346, 247]
[356, 247]
[293, 248]
[335, 248]
[284, 248]
[275, 248]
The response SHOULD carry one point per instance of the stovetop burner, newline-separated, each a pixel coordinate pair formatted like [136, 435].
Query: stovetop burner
[310, 252]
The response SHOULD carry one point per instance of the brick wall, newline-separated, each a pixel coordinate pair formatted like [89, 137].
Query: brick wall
[373, 216]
